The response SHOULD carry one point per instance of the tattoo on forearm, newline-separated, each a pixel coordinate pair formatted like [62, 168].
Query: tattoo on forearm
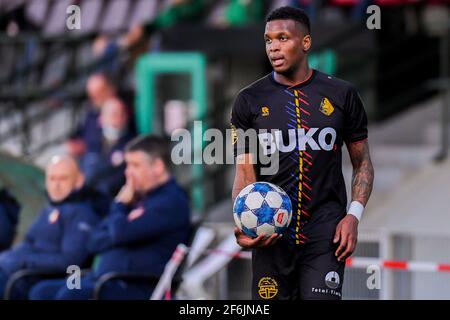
[363, 173]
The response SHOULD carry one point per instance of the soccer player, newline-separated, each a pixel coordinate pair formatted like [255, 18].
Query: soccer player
[308, 116]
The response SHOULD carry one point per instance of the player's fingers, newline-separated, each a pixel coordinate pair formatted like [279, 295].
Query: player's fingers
[342, 245]
[337, 234]
[241, 238]
[275, 240]
[345, 254]
[348, 251]
[238, 234]
[258, 241]
[271, 240]
[352, 247]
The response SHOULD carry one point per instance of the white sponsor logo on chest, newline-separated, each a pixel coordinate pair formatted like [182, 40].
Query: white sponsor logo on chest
[271, 141]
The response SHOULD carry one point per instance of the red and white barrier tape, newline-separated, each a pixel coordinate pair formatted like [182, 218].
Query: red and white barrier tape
[236, 255]
[421, 266]
[362, 263]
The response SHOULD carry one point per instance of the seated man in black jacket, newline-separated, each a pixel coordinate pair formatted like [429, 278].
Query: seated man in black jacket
[58, 236]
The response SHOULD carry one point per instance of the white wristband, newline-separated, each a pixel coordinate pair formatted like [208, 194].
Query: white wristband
[356, 209]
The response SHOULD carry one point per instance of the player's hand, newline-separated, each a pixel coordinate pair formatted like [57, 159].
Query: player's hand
[347, 235]
[126, 194]
[247, 242]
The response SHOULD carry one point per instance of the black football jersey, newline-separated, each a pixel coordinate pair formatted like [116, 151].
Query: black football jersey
[305, 126]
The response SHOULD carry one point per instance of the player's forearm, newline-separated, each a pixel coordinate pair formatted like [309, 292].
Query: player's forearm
[363, 172]
[240, 182]
[245, 175]
[362, 182]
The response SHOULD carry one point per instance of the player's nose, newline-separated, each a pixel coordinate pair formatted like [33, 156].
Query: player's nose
[274, 46]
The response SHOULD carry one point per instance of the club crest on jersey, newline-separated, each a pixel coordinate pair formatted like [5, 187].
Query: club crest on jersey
[234, 136]
[267, 288]
[326, 107]
[265, 111]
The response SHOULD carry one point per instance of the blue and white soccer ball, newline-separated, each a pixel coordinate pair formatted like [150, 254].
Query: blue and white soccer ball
[262, 207]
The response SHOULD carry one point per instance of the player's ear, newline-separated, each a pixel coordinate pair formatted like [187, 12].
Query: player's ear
[306, 42]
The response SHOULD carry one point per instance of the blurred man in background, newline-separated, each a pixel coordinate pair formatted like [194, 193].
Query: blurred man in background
[57, 238]
[9, 218]
[89, 134]
[149, 218]
[104, 164]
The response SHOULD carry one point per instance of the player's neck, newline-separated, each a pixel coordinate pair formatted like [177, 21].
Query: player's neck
[301, 75]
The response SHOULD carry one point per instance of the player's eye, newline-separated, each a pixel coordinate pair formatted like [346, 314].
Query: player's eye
[283, 38]
[268, 40]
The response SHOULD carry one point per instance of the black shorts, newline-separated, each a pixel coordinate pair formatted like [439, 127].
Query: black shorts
[284, 272]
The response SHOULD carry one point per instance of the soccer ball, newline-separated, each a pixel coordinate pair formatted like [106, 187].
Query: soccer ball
[262, 207]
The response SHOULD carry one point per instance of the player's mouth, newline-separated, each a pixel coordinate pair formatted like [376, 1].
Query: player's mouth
[277, 62]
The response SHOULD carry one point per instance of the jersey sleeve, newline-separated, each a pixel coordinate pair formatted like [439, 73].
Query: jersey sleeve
[355, 118]
[241, 120]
